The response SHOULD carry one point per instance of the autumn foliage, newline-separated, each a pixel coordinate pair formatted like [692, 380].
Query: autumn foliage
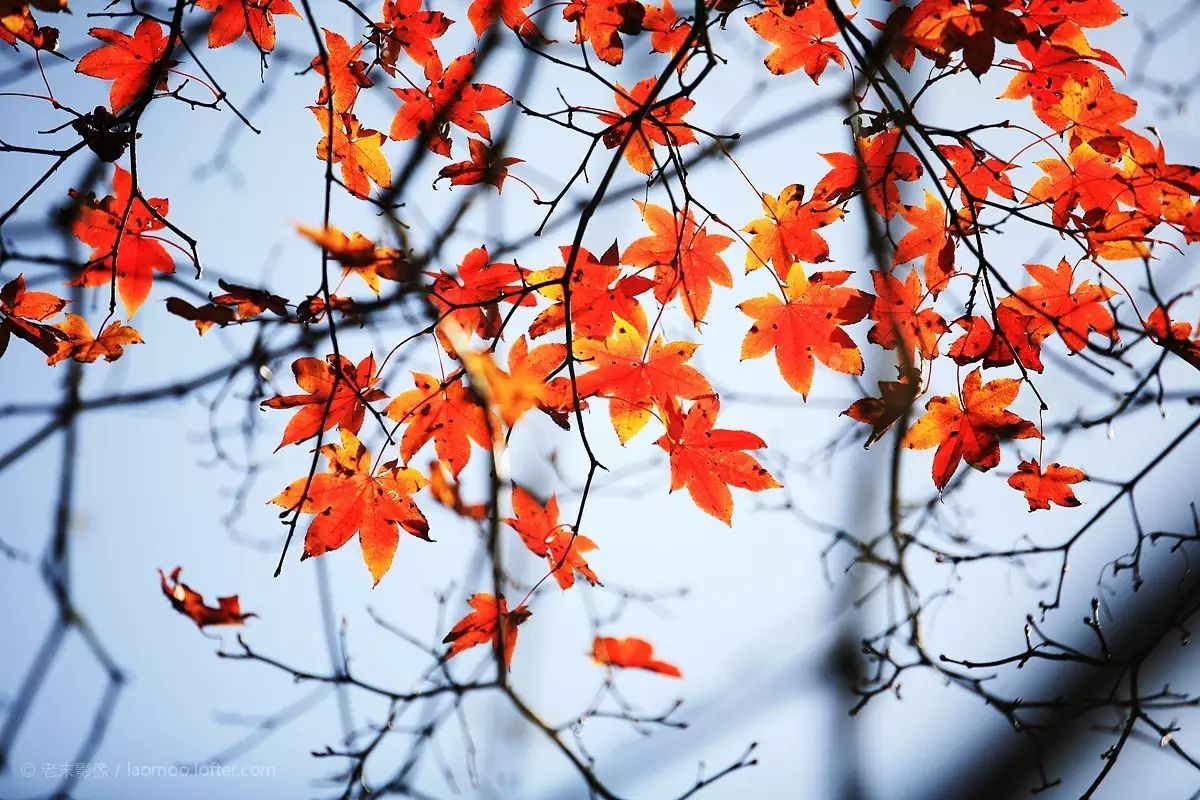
[609, 341]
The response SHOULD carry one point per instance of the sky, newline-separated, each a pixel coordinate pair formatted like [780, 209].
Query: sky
[756, 629]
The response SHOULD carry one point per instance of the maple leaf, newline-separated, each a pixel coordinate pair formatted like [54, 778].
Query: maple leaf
[636, 377]
[976, 174]
[971, 430]
[662, 125]
[356, 149]
[1057, 307]
[1041, 488]
[807, 324]
[1088, 179]
[630, 653]
[801, 37]
[788, 233]
[1174, 336]
[203, 317]
[511, 13]
[940, 28]
[360, 256]
[897, 320]
[130, 62]
[709, 460]
[249, 302]
[547, 538]
[1049, 14]
[878, 166]
[17, 24]
[472, 299]
[335, 393]
[254, 19]
[82, 346]
[1120, 235]
[445, 490]
[527, 383]
[894, 401]
[449, 99]
[484, 167]
[601, 23]
[491, 621]
[24, 314]
[117, 228]
[929, 240]
[190, 603]
[1090, 110]
[445, 412]
[668, 33]
[1019, 338]
[686, 259]
[347, 72]
[598, 295]
[349, 499]
[405, 27]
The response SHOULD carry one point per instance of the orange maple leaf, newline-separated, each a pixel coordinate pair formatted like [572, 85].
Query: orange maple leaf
[807, 324]
[930, 240]
[254, 19]
[788, 233]
[661, 125]
[601, 23]
[709, 460]
[490, 621]
[357, 149]
[130, 62]
[878, 166]
[350, 499]
[686, 259]
[472, 298]
[190, 603]
[360, 256]
[1174, 336]
[451, 98]
[547, 538]
[347, 72]
[484, 167]
[405, 27]
[117, 228]
[1057, 307]
[630, 653]
[527, 383]
[1041, 488]
[24, 314]
[335, 393]
[511, 13]
[442, 411]
[898, 323]
[82, 346]
[444, 489]
[971, 430]
[801, 37]
[975, 173]
[598, 294]
[636, 376]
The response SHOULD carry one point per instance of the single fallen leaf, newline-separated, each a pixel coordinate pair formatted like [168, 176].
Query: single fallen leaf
[190, 603]
[630, 653]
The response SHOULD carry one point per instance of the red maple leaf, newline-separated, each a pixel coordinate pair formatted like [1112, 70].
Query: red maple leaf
[118, 230]
[878, 166]
[598, 294]
[1041, 488]
[547, 538]
[444, 412]
[335, 393]
[254, 19]
[347, 72]
[788, 233]
[630, 653]
[484, 167]
[450, 98]
[81, 345]
[405, 27]
[130, 62]
[661, 125]
[686, 259]
[969, 430]
[928, 240]
[801, 37]
[807, 324]
[349, 498]
[490, 621]
[1056, 307]
[190, 603]
[24, 315]
[601, 23]
[709, 460]
[898, 323]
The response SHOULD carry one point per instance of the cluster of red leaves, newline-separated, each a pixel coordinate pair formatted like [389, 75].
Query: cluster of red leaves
[1111, 190]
